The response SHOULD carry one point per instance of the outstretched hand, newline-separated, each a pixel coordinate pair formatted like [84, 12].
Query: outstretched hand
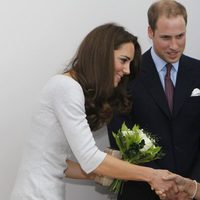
[166, 189]
[185, 185]
[178, 196]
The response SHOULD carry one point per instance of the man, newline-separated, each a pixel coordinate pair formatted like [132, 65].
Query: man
[167, 107]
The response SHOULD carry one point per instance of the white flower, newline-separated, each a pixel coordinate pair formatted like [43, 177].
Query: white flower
[147, 140]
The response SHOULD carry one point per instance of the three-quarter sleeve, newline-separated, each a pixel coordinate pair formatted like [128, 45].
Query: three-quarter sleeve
[69, 107]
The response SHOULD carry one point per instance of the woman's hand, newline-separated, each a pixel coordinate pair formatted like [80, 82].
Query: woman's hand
[163, 188]
[74, 171]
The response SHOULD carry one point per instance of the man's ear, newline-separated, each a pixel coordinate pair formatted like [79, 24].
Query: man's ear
[150, 32]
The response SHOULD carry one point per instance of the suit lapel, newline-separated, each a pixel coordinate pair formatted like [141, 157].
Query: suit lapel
[184, 83]
[152, 83]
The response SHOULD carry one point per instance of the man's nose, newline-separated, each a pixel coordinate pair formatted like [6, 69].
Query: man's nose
[174, 44]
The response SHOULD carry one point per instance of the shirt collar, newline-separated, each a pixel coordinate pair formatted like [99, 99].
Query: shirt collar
[160, 63]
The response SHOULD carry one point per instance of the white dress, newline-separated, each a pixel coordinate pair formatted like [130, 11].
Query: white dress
[59, 127]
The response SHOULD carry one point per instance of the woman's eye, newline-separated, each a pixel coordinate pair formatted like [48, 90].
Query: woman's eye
[123, 60]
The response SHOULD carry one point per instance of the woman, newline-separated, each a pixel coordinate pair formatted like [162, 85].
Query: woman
[74, 104]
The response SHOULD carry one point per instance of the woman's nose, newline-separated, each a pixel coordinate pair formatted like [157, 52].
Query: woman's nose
[126, 69]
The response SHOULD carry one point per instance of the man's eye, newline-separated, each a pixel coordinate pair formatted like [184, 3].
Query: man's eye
[165, 37]
[180, 36]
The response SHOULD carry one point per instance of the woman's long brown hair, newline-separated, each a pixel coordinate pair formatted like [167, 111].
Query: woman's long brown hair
[93, 66]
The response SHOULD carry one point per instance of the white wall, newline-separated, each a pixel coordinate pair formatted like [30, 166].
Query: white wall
[37, 38]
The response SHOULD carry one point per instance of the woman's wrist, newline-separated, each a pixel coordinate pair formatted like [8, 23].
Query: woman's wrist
[148, 174]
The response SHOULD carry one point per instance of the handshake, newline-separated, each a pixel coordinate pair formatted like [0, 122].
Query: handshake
[180, 188]
[167, 185]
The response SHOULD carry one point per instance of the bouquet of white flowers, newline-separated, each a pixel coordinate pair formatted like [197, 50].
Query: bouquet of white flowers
[136, 146]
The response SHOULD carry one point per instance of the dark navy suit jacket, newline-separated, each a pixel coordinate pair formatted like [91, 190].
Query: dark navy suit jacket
[178, 133]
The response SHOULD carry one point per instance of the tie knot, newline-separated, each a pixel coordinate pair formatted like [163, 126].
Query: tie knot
[169, 67]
